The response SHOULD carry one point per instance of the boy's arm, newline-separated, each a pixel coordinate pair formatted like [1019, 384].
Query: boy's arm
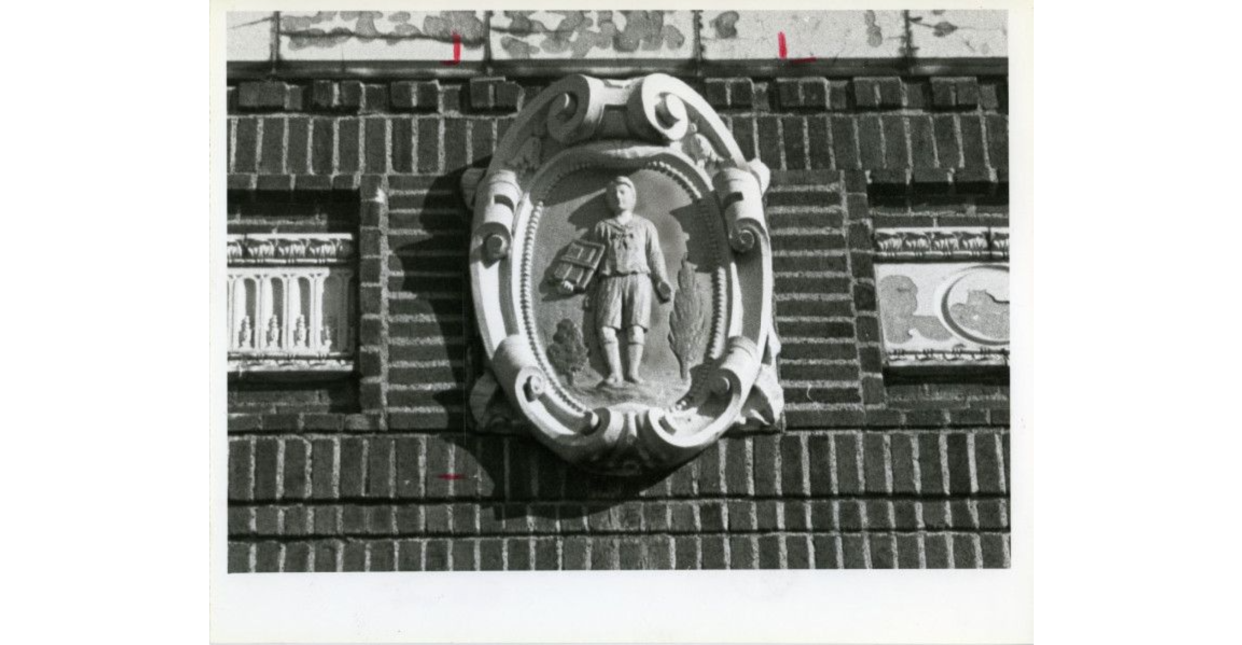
[655, 260]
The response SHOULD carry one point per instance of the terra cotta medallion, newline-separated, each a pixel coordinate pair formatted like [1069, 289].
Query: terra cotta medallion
[622, 275]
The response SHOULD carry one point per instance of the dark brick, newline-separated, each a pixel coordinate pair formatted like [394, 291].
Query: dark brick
[711, 516]
[822, 516]
[272, 152]
[741, 552]
[267, 520]
[327, 520]
[814, 93]
[682, 517]
[766, 515]
[713, 552]
[947, 150]
[429, 93]
[455, 146]
[741, 93]
[766, 468]
[354, 556]
[988, 464]
[769, 552]
[297, 557]
[895, 155]
[603, 554]
[354, 520]
[436, 555]
[575, 553]
[972, 141]
[482, 139]
[992, 514]
[262, 95]
[922, 142]
[380, 468]
[929, 465]
[935, 515]
[428, 146]
[883, 551]
[737, 478]
[295, 474]
[907, 551]
[959, 464]
[409, 476]
[383, 556]
[409, 519]
[819, 144]
[791, 466]
[967, 93]
[707, 470]
[299, 143]
[795, 143]
[482, 93]
[508, 96]
[890, 92]
[240, 461]
[874, 457]
[854, 551]
[902, 450]
[546, 557]
[350, 97]
[741, 516]
[788, 94]
[870, 142]
[328, 556]
[998, 140]
[866, 94]
[491, 555]
[992, 546]
[964, 551]
[353, 466]
[348, 132]
[687, 553]
[849, 480]
[826, 552]
[743, 129]
[942, 92]
[463, 555]
[850, 515]
[246, 149]
[265, 457]
[839, 95]
[402, 144]
[376, 146]
[770, 141]
[324, 95]
[323, 142]
[409, 555]
[267, 557]
[716, 92]
[820, 465]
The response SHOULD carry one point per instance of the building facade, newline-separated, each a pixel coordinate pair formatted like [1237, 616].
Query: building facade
[365, 431]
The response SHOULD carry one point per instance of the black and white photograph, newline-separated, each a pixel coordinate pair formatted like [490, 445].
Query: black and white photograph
[616, 290]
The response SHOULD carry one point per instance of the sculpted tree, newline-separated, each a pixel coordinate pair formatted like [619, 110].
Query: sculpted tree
[568, 354]
[686, 323]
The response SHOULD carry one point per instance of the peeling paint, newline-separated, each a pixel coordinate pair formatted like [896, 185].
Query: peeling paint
[578, 34]
[302, 32]
[725, 24]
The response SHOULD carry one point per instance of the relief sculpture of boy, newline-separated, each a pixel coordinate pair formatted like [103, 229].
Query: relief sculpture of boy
[631, 266]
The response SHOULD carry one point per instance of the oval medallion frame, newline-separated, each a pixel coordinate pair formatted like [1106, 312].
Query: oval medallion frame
[650, 130]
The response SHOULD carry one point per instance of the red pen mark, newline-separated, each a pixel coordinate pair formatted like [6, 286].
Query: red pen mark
[451, 476]
[783, 50]
[456, 51]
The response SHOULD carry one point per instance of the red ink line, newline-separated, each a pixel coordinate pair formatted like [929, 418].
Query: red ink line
[808, 59]
[780, 41]
[456, 51]
[451, 476]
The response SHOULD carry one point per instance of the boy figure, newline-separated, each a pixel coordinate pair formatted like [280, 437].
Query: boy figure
[632, 262]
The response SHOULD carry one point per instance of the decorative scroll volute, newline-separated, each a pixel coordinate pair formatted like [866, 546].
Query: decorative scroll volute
[571, 245]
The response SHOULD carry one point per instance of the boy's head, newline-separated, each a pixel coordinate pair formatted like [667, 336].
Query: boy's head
[621, 194]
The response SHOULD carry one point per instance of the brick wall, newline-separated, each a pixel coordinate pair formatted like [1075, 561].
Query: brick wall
[384, 471]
